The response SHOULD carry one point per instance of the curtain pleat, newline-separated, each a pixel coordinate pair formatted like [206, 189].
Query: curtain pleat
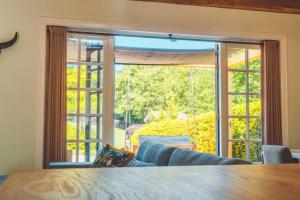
[55, 96]
[272, 94]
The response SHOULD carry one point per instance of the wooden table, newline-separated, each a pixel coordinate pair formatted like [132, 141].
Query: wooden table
[198, 182]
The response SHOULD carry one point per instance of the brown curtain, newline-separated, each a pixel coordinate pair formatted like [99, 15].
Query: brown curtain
[55, 96]
[272, 94]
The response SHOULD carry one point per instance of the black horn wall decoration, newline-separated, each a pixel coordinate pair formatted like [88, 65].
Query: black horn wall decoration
[4, 45]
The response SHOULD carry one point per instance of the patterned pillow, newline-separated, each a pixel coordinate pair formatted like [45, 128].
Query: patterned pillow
[112, 157]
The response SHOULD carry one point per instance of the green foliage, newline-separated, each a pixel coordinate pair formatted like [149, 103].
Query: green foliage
[143, 89]
[162, 92]
[201, 129]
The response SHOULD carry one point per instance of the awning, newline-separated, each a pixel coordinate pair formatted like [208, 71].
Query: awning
[136, 56]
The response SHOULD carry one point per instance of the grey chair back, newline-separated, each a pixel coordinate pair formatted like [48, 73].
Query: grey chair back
[274, 154]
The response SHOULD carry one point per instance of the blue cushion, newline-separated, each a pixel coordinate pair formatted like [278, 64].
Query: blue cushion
[183, 157]
[154, 153]
[2, 178]
[137, 163]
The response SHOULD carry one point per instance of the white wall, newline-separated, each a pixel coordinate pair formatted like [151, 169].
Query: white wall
[19, 66]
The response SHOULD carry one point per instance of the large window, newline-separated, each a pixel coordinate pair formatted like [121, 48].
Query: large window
[124, 89]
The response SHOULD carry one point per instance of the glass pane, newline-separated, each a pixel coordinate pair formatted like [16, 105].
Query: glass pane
[91, 76]
[254, 105]
[237, 128]
[236, 81]
[71, 152]
[96, 102]
[83, 75]
[91, 102]
[72, 76]
[237, 105]
[81, 152]
[90, 50]
[254, 82]
[72, 50]
[95, 129]
[83, 127]
[255, 151]
[71, 101]
[254, 59]
[93, 150]
[96, 77]
[89, 127]
[255, 128]
[83, 102]
[71, 128]
[236, 58]
[239, 150]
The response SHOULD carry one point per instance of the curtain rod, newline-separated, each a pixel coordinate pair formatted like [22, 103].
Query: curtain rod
[169, 37]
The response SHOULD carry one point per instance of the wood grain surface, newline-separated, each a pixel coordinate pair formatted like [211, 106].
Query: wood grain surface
[281, 6]
[198, 182]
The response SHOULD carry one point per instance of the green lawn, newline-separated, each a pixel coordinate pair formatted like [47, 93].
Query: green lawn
[119, 138]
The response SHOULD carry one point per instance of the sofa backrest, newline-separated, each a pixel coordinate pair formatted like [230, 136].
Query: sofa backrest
[154, 153]
[183, 157]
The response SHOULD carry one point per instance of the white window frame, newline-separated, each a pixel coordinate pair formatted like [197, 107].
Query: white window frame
[224, 96]
[107, 91]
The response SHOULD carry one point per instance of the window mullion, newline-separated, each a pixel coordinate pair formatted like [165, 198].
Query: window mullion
[108, 92]
[223, 100]
[78, 101]
[247, 104]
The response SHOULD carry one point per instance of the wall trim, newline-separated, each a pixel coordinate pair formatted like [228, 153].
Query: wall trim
[149, 29]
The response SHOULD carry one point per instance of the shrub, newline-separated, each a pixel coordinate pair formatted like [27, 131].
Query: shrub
[202, 130]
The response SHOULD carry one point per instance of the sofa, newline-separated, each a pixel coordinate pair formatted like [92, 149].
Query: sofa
[155, 154]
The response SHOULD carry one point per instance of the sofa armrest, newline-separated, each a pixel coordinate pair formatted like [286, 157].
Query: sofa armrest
[66, 165]
[296, 157]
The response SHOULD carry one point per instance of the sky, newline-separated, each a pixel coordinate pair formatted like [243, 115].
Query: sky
[156, 43]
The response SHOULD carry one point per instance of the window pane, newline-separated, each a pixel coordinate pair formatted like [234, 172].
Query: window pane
[96, 77]
[254, 105]
[81, 152]
[72, 50]
[71, 152]
[237, 128]
[255, 128]
[89, 127]
[83, 127]
[90, 50]
[93, 150]
[237, 81]
[236, 58]
[96, 102]
[91, 76]
[71, 128]
[254, 59]
[239, 150]
[237, 105]
[255, 151]
[95, 123]
[254, 82]
[72, 76]
[91, 104]
[71, 101]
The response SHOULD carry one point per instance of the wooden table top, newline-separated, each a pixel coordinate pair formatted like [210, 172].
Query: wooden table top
[194, 182]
